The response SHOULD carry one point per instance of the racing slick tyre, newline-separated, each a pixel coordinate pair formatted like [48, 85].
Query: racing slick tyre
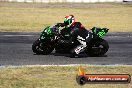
[40, 48]
[97, 48]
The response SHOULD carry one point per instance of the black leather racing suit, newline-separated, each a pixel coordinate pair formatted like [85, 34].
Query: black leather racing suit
[79, 33]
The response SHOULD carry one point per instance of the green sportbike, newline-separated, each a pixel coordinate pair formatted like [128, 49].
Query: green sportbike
[50, 37]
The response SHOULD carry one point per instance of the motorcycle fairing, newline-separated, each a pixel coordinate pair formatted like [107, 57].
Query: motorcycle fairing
[99, 32]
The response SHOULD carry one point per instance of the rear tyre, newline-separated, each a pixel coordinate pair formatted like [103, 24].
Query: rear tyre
[41, 48]
[97, 48]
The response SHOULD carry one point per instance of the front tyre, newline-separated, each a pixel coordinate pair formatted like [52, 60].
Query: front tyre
[97, 48]
[39, 48]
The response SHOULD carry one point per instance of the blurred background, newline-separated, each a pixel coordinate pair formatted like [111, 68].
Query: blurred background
[33, 15]
[47, 1]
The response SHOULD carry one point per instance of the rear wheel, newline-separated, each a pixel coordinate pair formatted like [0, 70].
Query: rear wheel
[97, 47]
[42, 48]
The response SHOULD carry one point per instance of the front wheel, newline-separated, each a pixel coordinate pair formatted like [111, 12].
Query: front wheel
[97, 48]
[42, 48]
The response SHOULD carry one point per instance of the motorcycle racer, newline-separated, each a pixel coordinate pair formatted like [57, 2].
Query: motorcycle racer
[73, 38]
[73, 31]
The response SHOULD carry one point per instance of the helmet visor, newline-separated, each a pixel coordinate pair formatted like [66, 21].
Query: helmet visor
[66, 22]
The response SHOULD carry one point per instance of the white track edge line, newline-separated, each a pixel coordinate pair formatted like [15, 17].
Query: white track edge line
[70, 65]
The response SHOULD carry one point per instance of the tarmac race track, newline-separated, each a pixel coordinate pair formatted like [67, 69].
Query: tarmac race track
[15, 49]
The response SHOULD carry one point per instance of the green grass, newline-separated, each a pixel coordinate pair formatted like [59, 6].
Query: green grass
[57, 76]
[116, 17]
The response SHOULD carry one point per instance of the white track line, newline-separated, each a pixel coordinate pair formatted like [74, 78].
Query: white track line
[70, 65]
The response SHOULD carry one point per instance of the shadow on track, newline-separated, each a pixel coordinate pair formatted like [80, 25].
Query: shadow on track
[81, 55]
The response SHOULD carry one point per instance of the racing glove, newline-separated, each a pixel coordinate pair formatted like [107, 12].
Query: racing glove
[60, 25]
